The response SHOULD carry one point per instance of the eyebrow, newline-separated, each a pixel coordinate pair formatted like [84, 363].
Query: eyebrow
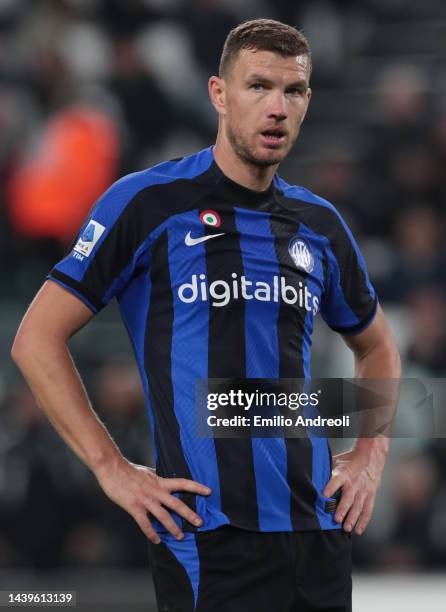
[263, 79]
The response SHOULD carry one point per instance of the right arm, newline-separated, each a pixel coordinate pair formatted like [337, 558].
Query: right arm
[40, 350]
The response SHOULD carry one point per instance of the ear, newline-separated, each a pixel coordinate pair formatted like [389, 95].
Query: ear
[217, 94]
[309, 92]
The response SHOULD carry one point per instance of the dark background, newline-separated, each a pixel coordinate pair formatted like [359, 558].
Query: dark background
[91, 90]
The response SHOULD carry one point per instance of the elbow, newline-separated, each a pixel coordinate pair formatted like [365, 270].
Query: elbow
[24, 346]
[18, 349]
[396, 361]
[381, 361]
[391, 356]
[31, 345]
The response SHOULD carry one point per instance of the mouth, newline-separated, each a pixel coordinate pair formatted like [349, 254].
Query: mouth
[274, 136]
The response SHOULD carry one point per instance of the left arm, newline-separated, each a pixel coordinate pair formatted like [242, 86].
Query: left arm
[359, 470]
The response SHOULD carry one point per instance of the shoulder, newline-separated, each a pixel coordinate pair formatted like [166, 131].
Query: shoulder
[302, 194]
[161, 186]
[189, 167]
[321, 215]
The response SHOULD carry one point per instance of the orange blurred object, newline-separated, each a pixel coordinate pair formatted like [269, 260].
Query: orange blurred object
[52, 191]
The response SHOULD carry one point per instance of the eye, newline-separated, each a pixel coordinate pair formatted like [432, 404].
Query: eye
[296, 91]
[257, 87]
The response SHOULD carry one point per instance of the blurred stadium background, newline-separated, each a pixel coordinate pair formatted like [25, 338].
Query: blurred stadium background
[93, 89]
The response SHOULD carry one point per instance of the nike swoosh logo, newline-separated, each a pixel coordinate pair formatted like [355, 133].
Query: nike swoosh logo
[189, 241]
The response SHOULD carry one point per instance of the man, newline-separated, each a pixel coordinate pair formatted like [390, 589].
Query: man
[219, 268]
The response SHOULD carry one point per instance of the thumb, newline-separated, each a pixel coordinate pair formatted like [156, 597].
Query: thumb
[336, 481]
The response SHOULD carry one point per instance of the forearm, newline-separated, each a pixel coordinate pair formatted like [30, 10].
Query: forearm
[50, 372]
[381, 363]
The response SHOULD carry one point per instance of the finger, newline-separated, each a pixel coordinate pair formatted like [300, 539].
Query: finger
[180, 508]
[183, 484]
[166, 519]
[345, 503]
[336, 482]
[146, 527]
[354, 513]
[366, 515]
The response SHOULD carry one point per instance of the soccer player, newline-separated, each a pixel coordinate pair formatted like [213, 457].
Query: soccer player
[220, 268]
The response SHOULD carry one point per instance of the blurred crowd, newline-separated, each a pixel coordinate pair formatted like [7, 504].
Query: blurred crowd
[93, 89]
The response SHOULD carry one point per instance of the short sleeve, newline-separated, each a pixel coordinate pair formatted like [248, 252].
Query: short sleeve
[102, 257]
[349, 301]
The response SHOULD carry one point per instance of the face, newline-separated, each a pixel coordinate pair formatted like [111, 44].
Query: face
[265, 97]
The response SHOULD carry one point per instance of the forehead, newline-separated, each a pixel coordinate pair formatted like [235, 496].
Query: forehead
[271, 65]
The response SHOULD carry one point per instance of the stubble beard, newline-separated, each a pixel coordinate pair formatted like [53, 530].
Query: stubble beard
[247, 155]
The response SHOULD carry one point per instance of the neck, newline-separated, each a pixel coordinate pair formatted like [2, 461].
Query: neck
[240, 171]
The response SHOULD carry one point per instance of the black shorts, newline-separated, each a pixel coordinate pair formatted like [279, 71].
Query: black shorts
[234, 570]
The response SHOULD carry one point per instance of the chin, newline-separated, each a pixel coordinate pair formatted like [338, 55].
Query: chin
[260, 156]
[271, 157]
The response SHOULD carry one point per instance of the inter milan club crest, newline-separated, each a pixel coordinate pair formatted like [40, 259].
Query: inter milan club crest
[210, 217]
[301, 254]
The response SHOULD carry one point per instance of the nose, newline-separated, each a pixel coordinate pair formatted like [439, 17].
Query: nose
[278, 107]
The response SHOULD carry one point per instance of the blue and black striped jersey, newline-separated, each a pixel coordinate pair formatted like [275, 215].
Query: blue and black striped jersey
[214, 280]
